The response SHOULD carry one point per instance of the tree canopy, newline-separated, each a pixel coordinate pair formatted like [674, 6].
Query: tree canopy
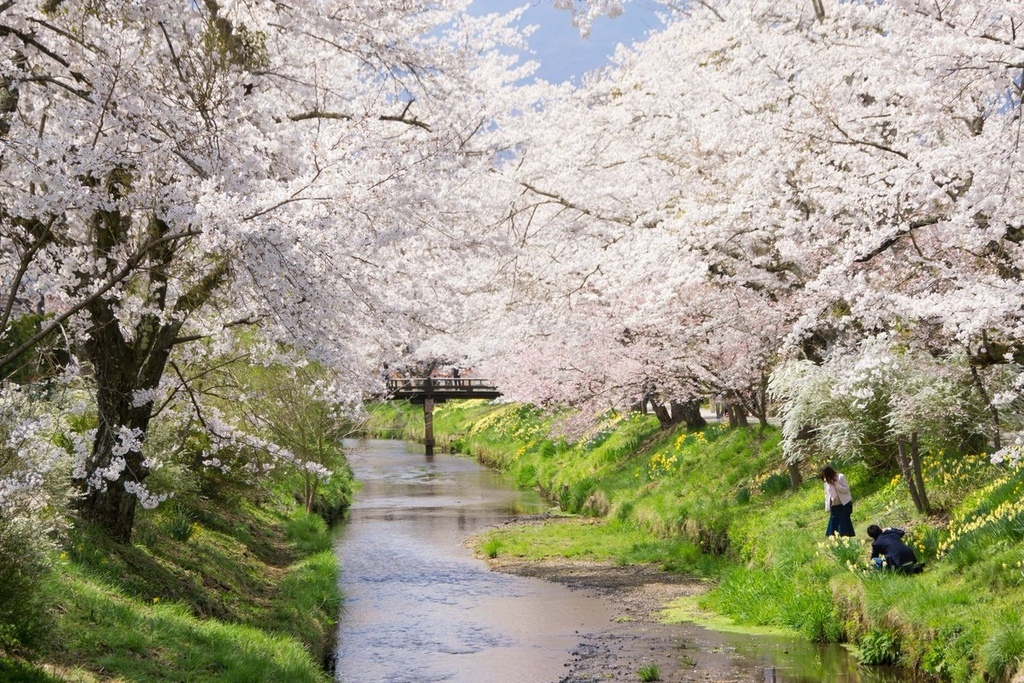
[365, 183]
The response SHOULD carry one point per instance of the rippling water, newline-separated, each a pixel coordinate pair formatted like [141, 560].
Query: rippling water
[418, 607]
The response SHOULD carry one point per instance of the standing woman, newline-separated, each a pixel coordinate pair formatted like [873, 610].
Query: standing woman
[838, 502]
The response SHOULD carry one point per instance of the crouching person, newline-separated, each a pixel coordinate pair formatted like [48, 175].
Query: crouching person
[888, 551]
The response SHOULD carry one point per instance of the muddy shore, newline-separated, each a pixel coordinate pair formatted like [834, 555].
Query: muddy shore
[636, 638]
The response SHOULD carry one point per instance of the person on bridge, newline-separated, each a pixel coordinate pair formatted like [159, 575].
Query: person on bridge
[838, 503]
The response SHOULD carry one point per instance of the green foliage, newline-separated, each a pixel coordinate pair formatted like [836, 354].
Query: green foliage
[743, 496]
[394, 420]
[846, 552]
[37, 364]
[24, 566]
[879, 647]
[950, 654]
[308, 532]
[649, 672]
[1003, 650]
[990, 521]
[180, 523]
[775, 484]
[798, 600]
[925, 541]
[491, 547]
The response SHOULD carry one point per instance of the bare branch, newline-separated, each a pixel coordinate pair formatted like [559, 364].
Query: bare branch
[319, 114]
[26, 261]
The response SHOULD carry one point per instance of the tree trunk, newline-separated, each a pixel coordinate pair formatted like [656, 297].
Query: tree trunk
[906, 470]
[795, 478]
[114, 471]
[992, 409]
[737, 414]
[688, 411]
[119, 374]
[819, 9]
[662, 412]
[758, 404]
[915, 454]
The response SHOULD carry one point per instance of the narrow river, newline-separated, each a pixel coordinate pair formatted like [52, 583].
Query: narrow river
[420, 609]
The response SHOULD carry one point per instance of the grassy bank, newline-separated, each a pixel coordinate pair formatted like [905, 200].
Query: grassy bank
[718, 504]
[237, 589]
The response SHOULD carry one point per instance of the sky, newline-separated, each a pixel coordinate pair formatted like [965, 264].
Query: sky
[557, 45]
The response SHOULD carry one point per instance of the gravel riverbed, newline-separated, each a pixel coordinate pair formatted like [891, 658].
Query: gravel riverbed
[636, 638]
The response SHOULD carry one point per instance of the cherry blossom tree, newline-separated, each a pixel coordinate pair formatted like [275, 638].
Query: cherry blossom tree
[173, 171]
[762, 180]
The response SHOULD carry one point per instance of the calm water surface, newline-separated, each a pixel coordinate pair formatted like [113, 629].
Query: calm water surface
[420, 609]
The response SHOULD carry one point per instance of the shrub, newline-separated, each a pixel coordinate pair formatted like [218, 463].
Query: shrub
[180, 523]
[23, 571]
[846, 551]
[776, 484]
[948, 656]
[925, 540]
[879, 647]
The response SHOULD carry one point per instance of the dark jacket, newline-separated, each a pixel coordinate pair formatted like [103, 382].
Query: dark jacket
[890, 545]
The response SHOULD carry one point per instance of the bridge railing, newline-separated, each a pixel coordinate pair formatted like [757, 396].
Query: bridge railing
[424, 384]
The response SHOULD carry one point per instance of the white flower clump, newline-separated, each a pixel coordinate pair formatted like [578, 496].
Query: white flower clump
[30, 460]
[1012, 453]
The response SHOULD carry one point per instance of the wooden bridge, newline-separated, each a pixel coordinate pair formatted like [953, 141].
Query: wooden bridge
[432, 390]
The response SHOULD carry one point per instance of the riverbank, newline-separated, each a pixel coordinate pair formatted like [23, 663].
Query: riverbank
[639, 639]
[639, 635]
[239, 590]
[719, 504]
[636, 639]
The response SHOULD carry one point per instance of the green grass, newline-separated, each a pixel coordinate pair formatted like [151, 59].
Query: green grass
[585, 538]
[250, 594]
[717, 504]
[165, 642]
[20, 672]
[649, 672]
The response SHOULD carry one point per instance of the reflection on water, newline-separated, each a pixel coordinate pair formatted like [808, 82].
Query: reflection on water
[775, 659]
[419, 609]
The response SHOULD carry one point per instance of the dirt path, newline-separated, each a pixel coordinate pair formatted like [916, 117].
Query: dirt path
[636, 638]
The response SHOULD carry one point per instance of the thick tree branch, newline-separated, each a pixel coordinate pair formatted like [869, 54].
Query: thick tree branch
[341, 116]
[129, 267]
[890, 241]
